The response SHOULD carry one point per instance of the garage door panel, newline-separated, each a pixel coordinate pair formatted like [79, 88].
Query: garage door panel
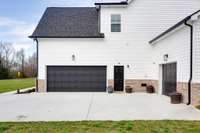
[76, 78]
[169, 78]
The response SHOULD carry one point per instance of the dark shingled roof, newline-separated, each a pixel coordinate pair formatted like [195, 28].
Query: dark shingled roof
[68, 22]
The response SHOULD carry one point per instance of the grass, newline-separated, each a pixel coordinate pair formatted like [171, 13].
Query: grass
[103, 127]
[198, 107]
[14, 84]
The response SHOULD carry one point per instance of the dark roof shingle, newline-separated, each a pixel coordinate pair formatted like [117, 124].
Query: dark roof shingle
[68, 22]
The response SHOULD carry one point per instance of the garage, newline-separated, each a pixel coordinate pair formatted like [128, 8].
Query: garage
[169, 78]
[76, 78]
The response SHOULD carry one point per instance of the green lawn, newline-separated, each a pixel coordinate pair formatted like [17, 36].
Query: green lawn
[103, 127]
[14, 84]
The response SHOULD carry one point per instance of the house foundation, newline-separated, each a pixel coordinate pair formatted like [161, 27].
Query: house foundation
[182, 87]
[137, 85]
[41, 86]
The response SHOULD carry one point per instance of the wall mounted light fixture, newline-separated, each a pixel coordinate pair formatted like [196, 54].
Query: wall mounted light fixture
[165, 57]
[73, 57]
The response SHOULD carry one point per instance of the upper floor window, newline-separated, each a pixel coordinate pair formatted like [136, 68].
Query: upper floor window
[115, 23]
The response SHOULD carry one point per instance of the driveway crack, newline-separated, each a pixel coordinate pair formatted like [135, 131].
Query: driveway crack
[90, 106]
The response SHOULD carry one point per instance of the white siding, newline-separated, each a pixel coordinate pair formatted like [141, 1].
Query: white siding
[87, 52]
[141, 21]
[177, 46]
[196, 51]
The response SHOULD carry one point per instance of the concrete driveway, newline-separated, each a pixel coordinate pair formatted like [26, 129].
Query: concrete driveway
[92, 106]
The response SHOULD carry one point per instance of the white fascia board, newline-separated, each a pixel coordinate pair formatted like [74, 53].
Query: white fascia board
[168, 34]
[195, 17]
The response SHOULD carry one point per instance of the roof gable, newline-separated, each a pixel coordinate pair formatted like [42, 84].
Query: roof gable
[68, 22]
[193, 16]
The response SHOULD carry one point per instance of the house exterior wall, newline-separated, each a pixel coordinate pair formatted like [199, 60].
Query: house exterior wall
[196, 52]
[196, 64]
[142, 20]
[177, 46]
[92, 52]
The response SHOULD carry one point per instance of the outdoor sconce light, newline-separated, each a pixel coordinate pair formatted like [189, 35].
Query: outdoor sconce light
[128, 66]
[166, 56]
[73, 57]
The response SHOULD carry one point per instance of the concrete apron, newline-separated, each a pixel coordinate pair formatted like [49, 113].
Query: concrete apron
[92, 106]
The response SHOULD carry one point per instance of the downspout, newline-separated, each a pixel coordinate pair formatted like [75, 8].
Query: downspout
[36, 40]
[99, 18]
[191, 61]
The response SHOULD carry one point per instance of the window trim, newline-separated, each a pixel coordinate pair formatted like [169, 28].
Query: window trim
[115, 22]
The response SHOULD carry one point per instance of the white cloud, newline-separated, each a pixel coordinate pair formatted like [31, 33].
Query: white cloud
[4, 21]
[75, 2]
[68, 2]
[16, 32]
[20, 46]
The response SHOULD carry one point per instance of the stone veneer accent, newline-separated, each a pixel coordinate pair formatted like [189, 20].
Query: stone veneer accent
[182, 87]
[41, 85]
[136, 84]
[110, 82]
[196, 93]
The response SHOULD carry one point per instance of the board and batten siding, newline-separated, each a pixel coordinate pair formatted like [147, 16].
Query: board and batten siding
[196, 52]
[141, 21]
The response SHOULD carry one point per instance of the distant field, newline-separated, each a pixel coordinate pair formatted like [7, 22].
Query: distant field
[14, 84]
[103, 127]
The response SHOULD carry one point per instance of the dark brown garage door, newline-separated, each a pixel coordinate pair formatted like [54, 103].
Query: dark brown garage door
[76, 78]
[169, 78]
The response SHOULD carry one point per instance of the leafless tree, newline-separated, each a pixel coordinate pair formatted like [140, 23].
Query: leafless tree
[9, 52]
[20, 59]
[6, 59]
[1, 54]
[31, 66]
[12, 62]
[6, 54]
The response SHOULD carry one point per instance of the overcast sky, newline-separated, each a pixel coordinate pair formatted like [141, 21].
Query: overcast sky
[18, 18]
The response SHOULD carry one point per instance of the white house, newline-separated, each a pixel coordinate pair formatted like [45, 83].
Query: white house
[87, 49]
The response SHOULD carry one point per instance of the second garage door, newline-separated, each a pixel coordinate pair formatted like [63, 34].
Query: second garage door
[169, 78]
[76, 78]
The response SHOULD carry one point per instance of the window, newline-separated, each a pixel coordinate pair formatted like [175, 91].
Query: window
[115, 23]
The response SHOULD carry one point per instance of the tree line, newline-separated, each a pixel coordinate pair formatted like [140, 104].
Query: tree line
[15, 64]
